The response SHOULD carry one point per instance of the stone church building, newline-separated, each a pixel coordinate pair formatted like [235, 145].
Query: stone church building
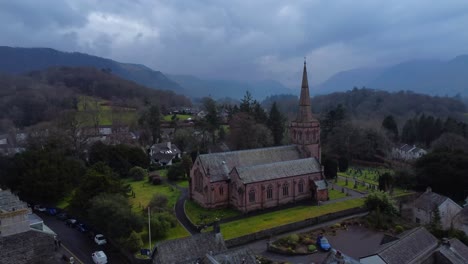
[266, 177]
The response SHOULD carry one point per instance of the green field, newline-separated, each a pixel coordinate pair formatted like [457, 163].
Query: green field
[90, 109]
[265, 221]
[369, 175]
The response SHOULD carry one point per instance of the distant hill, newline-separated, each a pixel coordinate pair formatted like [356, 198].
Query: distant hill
[39, 96]
[22, 60]
[433, 77]
[196, 87]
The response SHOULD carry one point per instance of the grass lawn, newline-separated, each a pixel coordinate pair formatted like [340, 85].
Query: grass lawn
[351, 185]
[335, 194]
[264, 221]
[144, 191]
[194, 211]
[369, 175]
[181, 117]
[183, 183]
[65, 202]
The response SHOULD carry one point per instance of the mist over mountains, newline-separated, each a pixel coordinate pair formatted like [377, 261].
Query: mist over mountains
[434, 77]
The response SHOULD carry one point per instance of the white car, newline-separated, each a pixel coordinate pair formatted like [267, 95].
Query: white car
[40, 208]
[99, 257]
[100, 239]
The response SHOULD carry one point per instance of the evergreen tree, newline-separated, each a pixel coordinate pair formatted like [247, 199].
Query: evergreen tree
[151, 120]
[391, 127]
[246, 103]
[435, 223]
[276, 124]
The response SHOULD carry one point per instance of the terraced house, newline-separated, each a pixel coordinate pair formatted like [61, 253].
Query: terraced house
[266, 177]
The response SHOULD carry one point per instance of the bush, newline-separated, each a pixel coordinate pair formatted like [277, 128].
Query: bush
[138, 173]
[293, 239]
[175, 172]
[311, 248]
[134, 242]
[399, 229]
[158, 202]
[155, 180]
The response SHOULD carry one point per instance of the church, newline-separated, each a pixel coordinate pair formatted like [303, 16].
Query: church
[261, 178]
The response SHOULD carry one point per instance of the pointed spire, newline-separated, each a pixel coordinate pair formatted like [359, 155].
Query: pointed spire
[305, 111]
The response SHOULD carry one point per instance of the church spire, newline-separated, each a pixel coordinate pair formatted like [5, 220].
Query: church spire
[305, 111]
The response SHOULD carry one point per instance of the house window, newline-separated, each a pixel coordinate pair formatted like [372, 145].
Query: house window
[221, 190]
[269, 192]
[285, 189]
[252, 195]
[301, 186]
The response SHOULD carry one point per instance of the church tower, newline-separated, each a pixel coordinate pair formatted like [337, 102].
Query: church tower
[305, 130]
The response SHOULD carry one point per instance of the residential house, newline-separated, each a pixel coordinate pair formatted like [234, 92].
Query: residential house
[337, 257]
[189, 250]
[164, 153]
[419, 246]
[461, 220]
[408, 152]
[413, 246]
[23, 236]
[421, 210]
[265, 177]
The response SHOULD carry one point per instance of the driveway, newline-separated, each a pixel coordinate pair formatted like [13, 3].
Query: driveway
[355, 242]
[80, 244]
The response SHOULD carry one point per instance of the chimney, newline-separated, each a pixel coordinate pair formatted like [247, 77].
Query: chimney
[428, 189]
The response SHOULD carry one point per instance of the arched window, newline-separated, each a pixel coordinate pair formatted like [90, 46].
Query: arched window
[270, 192]
[252, 195]
[198, 181]
[285, 189]
[301, 186]
[221, 190]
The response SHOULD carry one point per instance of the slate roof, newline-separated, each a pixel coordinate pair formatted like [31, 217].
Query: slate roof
[29, 247]
[221, 164]
[189, 249]
[162, 152]
[414, 245]
[429, 200]
[10, 202]
[321, 185]
[334, 257]
[456, 252]
[232, 256]
[264, 172]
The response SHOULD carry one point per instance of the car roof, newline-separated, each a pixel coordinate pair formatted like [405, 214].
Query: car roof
[100, 254]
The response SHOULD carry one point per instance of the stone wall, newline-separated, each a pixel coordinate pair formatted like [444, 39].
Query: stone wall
[267, 233]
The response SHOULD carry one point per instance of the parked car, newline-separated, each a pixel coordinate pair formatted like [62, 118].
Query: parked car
[99, 257]
[71, 222]
[62, 216]
[83, 228]
[323, 244]
[100, 239]
[52, 211]
[40, 208]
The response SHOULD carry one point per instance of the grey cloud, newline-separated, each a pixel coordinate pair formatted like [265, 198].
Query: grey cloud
[242, 39]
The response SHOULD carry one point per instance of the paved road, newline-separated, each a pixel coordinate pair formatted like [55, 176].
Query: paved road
[180, 211]
[80, 244]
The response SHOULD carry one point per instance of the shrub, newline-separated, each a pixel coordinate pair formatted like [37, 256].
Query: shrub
[138, 173]
[155, 180]
[311, 248]
[399, 229]
[293, 239]
[133, 243]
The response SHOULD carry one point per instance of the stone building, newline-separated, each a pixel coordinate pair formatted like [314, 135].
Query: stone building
[266, 177]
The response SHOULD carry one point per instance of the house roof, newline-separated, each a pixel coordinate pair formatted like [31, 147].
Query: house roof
[321, 185]
[455, 252]
[337, 257]
[277, 170]
[412, 246]
[189, 249]
[28, 247]
[232, 256]
[164, 152]
[429, 200]
[10, 202]
[219, 165]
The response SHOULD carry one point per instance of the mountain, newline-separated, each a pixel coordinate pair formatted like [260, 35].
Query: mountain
[21, 60]
[434, 77]
[196, 87]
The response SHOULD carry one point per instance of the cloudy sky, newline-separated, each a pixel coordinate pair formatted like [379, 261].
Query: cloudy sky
[242, 39]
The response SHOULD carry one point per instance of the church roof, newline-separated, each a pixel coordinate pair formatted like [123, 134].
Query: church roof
[219, 165]
[277, 170]
[305, 111]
